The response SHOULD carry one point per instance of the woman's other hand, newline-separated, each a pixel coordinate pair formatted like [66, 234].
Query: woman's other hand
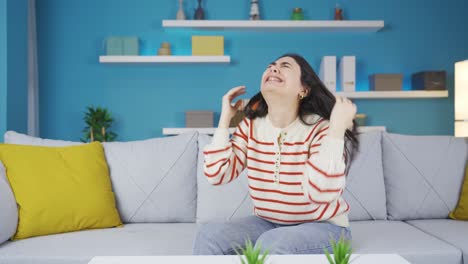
[342, 116]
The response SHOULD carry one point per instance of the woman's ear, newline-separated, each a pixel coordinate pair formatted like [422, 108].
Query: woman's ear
[304, 91]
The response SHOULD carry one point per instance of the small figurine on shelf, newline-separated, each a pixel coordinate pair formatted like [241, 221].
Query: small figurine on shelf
[254, 10]
[297, 14]
[338, 12]
[199, 12]
[180, 12]
[165, 49]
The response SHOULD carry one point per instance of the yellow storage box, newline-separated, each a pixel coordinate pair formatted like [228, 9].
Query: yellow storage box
[207, 45]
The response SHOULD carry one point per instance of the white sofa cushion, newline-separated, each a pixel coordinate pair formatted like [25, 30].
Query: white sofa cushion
[396, 237]
[80, 247]
[8, 208]
[154, 180]
[451, 231]
[423, 175]
[12, 137]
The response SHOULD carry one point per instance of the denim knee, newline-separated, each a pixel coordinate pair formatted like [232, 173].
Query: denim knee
[302, 239]
[210, 240]
[204, 243]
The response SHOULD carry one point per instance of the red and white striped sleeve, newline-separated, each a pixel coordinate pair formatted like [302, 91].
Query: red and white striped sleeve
[224, 158]
[325, 168]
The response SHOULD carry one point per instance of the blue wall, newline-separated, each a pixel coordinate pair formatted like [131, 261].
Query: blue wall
[17, 109]
[419, 35]
[13, 65]
[3, 68]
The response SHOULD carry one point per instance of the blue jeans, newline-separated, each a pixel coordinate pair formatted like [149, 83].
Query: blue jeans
[307, 238]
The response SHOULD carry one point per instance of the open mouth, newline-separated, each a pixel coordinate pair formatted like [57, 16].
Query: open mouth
[273, 80]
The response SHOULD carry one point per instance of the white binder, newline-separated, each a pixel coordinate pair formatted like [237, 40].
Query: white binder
[347, 73]
[327, 72]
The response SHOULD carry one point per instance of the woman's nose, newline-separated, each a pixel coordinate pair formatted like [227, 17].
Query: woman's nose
[274, 69]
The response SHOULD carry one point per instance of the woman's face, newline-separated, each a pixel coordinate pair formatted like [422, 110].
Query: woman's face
[283, 78]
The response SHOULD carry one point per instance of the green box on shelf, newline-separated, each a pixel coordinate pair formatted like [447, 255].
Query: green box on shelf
[122, 46]
[114, 46]
[130, 46]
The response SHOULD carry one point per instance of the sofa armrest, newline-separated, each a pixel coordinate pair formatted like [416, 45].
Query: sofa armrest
[8, 208]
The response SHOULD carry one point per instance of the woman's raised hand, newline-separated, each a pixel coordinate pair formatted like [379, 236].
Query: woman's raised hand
[228, 109]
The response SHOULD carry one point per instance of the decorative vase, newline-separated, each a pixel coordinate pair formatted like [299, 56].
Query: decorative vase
[297, 14]
[338, 13]
[180, 12]
[199, 12]
[254, 10]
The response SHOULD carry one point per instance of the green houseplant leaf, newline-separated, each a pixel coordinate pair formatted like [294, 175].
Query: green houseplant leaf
[342, 251]
[251, 254]
[98, 122]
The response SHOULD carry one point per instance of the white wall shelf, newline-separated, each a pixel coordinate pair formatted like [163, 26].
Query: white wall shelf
[287, 25]
[164, 59]
[210, 130]
[393, 94]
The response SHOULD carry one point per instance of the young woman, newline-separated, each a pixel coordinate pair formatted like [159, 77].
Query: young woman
[292, 142]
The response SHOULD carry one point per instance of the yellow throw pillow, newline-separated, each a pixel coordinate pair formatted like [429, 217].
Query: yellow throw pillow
[60, 189]
[461, 212]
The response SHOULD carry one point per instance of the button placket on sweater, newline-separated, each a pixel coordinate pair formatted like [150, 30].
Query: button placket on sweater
[280, 141]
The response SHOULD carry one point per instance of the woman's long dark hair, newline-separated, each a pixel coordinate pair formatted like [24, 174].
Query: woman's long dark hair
[318, 100]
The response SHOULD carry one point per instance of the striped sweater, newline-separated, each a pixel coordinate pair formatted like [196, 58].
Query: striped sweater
[296, 174]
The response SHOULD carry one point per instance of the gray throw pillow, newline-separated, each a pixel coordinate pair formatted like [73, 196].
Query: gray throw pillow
[224, 202]
[365, 188]
[423, 175]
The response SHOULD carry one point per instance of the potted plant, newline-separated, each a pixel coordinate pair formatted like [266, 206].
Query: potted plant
[341, 251]
[98, 122]
[252, 255]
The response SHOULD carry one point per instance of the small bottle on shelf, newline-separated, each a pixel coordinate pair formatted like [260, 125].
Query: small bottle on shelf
[180, 12]
[338, 12]
[297, 14]
[199, 12]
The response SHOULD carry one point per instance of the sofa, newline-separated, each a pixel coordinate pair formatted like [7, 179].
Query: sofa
[401, 189]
